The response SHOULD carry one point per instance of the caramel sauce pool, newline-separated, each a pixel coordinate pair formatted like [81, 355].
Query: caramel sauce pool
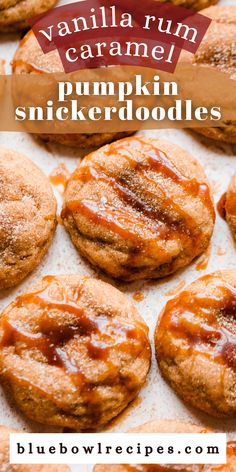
[138, 296]
[60, 176]
[204, 259]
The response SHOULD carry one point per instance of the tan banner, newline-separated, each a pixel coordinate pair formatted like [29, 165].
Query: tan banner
[117, 99]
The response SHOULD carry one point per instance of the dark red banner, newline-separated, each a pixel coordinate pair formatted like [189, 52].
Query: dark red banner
[89, 34]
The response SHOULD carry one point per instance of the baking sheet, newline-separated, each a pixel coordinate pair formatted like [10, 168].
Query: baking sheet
[156, 400]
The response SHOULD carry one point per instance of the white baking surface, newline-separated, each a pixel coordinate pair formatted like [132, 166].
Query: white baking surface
[156, 399]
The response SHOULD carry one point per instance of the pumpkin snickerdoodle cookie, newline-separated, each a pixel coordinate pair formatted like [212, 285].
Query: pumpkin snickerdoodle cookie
[27, 217]
[139, 208]
[193, 4]
[14, 14]
[218, 51]
[196, 343]
[227, 205]
[73, 352]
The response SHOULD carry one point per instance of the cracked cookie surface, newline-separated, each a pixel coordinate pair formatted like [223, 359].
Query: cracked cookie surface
[139, 208]
[218, 51]
[14, 14]
[195, 343]
[27, 217]
[73, 352]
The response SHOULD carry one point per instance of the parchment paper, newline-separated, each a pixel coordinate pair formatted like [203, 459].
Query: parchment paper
[156, 399]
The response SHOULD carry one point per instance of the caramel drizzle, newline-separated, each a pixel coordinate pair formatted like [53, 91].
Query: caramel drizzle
[45, 343]
[120, 221]
[102, 334]
[231, 452]
[130, 197]
[194, 318]
[26, 37]
[230, 203]
[113, 218]
[30, 68]
[203, 262]
[231, 448]
[157, 160]
[221, 206]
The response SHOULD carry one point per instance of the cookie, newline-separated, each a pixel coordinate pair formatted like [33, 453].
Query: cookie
[2, 81]
[27, 217]
[14, 14]
[196, 343]
[73, 352]
[218, 51]
[29, 58]
[4, 457]
[193, 4]
[139, 208]
[227, 206]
